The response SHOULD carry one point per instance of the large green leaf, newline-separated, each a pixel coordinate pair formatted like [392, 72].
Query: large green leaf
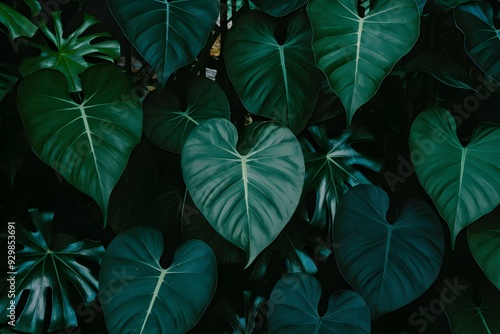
[442, 67]
[357, 53]
[168, 34]
[296, 297]
[331, 168]
[468, 314]
[167, 125]
[16, 23]
[276, 79]
[484, 243]
[41, 267]
[463, 182]
[389, 265]
[139, 296]
[87, 142]
[279, 7]
[70, 55]
[247, 189]
[439, 5]
[482, 39]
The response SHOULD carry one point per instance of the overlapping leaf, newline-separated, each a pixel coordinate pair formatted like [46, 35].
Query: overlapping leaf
[482, 38]
[87, 142]
[279, 7]
[356, 53]
[70, 55]
[168, 34]
[463, 182]
[247, 189]
[389, 265]
[16, 23]
[275, 79]
[146, 298]
[42, 268]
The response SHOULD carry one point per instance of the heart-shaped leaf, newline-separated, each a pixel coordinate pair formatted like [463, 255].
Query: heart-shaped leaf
[466, 315]
[168, 34]
[331, 169]
[279, 7]
[166, 125]
[139, 296]
[357, 53]
[71, 53]
[442, 67]
[482, 39]
[87, 142]
[463, 182]
[42, 267]
[295, 298]
[484, 242]
[276, 79]
[247, 189]
[17, 24]
[389, 265]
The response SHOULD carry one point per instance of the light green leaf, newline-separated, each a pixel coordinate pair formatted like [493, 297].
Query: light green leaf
[274, 79]
[68, 57]
[442, 67]
[466, 315]
[151, 299]
[166, 125]
[50, 276]
[484, 242]
[482, 39]
[35, 6]
[357, 53]
[87, 142]
[279, 7]
[17, 24]
[388, 264]
[463, 182]
[331, 168]
[247, 189]
[295, 298]
[168, 34]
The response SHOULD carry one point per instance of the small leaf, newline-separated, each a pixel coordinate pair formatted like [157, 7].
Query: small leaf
[463, 182]
[247, 189]
[389, 265]
[87, 142]
[295, 298]
[17, 24]
[151, 299]
[167, 126]
[48, 275]
[168, 34]
[482, 39]
[70, 54]
[275, 79]
[8, 78]
[357, 53]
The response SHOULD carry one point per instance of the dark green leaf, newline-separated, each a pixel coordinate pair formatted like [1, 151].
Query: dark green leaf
[442, 67]
[17, 24]
[274, 79]
[35, 6]
[482, 39]
[168, 34]
[87, 142]
[168, 127]
[247, 189]
[357, 53]
[51, 276]
[440, 5]
[143, 297]
[68, 57]
[8, 78]
[279, 7]
[463, 182]
[295, 298]
[331, 170]
[389, 265]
